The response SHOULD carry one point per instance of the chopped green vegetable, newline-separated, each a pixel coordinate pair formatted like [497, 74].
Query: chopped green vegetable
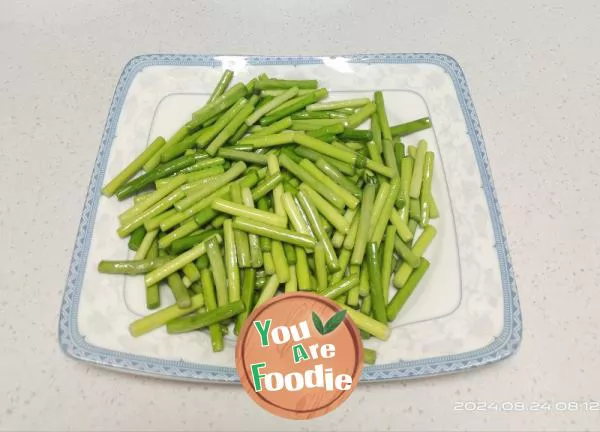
[275, 84]
[320, 267]
[348, 103]
[130, 170]
[205, 319]
[179, 290]
[248, 282]
[161, 317]
[364, 224]
[135, 240]
[134, 267]
[418, 249]
[407, 289]
[274, 232]
[316, 223]
[268, 291]
[208, 290]
[145, 245]
[221, 85]
[386, 133]
[377, 299]
[177, 263]
[417, 178]
[341, 287]
[282, 269]
[366, 323]
[411, 127]
[152, 291]
[386, 261]
[139, 183]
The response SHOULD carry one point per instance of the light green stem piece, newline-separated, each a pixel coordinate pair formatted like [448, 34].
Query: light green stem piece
[271, 105]
[268, 291]
[417, 177]
[366, 323]
[145, 245]
[130, 170]
[161, 317]
[177, 263]
[335, 105]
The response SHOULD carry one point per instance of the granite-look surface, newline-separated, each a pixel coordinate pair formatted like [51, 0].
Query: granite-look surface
[533, 73]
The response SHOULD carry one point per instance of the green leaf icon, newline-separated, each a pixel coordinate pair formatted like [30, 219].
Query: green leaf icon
[334, 321]
[318, 323]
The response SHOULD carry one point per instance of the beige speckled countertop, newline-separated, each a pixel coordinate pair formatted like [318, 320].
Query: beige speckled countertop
[533, 72]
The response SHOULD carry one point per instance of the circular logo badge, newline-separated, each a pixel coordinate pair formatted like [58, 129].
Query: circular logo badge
[299, 356]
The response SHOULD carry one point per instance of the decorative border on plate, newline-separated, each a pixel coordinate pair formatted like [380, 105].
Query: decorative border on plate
[75, 345]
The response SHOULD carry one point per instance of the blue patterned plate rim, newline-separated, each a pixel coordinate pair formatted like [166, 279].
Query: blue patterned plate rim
[75, 345]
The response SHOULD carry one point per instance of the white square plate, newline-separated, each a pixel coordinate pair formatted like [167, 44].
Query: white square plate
[465, 313]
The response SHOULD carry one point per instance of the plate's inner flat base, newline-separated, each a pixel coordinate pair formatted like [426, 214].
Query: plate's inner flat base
[440, 291]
